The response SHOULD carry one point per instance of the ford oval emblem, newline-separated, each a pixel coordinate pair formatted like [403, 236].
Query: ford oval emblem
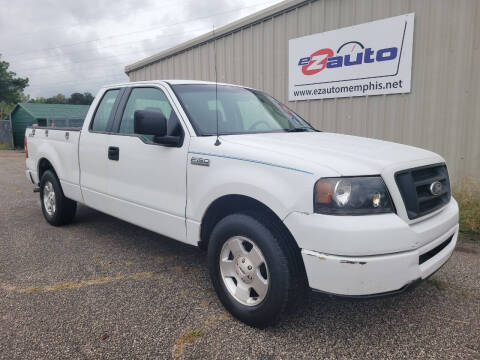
[436, 188]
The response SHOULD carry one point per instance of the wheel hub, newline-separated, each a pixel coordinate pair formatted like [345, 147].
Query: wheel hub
[244, 269]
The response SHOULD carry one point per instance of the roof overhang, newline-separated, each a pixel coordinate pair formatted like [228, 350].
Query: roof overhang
[257, 17]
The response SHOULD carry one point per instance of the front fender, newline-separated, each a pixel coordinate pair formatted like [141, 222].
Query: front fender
[282, 189]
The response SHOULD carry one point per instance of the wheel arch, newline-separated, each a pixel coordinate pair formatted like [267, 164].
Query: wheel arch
[43, 165]
[235, 203]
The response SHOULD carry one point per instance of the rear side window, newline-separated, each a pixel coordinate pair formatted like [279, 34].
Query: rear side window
[104, 111]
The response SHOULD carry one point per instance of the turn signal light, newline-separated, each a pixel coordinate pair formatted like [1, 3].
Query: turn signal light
[323, 192]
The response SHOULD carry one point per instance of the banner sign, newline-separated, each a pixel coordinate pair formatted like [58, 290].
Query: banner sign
[368, 59]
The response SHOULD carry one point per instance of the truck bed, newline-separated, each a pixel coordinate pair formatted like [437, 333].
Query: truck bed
[50, 143]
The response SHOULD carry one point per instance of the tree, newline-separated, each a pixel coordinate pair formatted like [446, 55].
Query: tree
[81, 99]
[88, 98]
[74, 99]
[57, 99]
[11, 89]
[38, 100]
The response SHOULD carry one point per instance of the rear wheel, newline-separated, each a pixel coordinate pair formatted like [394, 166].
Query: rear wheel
[56, 208]
[252, 269]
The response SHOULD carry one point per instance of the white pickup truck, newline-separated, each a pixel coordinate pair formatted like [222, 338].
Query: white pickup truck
[279, 206]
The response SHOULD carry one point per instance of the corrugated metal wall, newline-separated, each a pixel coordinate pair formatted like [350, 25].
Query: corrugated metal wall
[442, 113]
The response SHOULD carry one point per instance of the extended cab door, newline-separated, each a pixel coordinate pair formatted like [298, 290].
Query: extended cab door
[147, 182]
[94, 152]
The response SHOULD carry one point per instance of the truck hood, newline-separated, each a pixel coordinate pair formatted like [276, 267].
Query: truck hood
[345, 154]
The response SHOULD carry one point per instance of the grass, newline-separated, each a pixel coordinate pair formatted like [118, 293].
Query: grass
[186, 337]
[467, 193]
[195, 333]
[439, 284]
[5, 147]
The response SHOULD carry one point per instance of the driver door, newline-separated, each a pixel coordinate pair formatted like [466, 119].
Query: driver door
[148, 181]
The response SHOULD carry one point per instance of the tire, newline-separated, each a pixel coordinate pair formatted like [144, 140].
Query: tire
[58, 210]
[281, 268]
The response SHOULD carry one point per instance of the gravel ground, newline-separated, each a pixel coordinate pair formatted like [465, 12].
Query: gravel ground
[104, 289]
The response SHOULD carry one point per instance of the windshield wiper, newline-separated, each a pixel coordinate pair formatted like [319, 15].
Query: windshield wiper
[300, 129]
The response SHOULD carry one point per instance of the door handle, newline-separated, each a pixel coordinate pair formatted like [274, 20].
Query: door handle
[113, 153]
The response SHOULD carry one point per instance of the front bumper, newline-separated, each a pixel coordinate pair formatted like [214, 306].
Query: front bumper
[369, 275]
[358, 271]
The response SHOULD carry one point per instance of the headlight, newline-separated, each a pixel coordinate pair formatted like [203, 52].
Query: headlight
[352, 196]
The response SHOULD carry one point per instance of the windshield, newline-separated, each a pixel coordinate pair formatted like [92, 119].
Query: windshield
[239, 110]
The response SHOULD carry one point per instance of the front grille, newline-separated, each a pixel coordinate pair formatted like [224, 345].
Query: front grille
[414, 185]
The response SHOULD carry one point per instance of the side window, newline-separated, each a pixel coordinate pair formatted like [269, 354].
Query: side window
[148, 99]
[104, 110]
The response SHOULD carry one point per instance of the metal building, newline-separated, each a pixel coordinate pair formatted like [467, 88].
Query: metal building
[441, 113]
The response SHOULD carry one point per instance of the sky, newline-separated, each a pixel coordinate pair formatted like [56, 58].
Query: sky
[67, 46]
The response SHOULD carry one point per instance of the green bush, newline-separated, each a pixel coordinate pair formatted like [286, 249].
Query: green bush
[467, 193]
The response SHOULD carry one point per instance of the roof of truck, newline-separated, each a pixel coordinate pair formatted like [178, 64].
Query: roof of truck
[170, 81]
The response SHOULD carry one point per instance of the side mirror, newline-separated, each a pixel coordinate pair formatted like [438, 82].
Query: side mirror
[150, 122]
[169, 141]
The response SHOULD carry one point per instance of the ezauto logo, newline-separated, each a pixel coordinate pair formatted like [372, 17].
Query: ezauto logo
[351, 53]
[366, 59]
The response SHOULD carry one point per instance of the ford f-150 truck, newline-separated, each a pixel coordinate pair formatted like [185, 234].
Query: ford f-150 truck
[279, 206]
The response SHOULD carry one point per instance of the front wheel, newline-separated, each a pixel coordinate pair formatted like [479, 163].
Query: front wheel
[57, 209]
[251, 268]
